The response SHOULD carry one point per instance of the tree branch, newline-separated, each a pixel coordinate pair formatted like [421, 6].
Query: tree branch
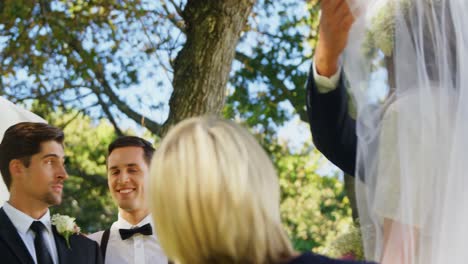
[276, 83]
[98, 70]
[66, 123]
[177, 23]
[109, 115]
[177, 8]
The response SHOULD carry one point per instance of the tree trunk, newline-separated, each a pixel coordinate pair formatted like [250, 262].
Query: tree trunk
[202, 67]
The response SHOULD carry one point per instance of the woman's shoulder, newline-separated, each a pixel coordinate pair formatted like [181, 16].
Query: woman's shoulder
[310, 258]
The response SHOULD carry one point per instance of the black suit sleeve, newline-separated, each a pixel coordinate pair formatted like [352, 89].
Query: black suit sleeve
[333, 129]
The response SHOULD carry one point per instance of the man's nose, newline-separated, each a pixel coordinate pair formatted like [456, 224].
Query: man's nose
[123, 177]
[62, 172]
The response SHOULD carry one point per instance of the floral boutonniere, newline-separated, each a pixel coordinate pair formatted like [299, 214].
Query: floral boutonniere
[66, 226]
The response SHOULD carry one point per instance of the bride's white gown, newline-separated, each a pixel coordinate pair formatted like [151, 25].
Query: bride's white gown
[406, 66]
[406, 193]
[10, 115]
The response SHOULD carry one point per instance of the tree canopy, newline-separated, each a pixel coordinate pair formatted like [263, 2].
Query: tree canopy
[157, 62]
[89, 66]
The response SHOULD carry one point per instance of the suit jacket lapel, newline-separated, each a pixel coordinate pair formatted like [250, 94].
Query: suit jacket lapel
[62, 249]
[11, 237]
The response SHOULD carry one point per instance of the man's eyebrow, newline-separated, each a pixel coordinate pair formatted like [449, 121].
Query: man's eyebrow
[126, 165]
[51, 155]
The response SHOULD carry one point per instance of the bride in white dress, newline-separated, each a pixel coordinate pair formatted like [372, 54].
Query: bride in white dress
[11, 114]
[407, 67]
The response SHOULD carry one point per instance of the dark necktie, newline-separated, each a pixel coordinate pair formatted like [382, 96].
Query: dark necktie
[128, 233]
[42, 252]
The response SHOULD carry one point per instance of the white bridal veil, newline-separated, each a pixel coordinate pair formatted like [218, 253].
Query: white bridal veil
[406, 65]
[11, 114]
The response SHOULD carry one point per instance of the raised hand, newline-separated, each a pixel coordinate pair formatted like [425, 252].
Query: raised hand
[335, 24]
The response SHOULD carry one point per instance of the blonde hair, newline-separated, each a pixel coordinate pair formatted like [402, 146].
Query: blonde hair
[215, 196]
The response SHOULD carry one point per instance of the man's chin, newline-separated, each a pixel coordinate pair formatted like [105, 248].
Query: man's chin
[53, 199]
[128, 207]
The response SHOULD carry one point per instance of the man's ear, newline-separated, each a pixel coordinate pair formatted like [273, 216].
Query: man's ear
[16, 167]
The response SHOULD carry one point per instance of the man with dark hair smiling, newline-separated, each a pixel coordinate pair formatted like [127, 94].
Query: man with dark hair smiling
[131, 238]
[32, 167]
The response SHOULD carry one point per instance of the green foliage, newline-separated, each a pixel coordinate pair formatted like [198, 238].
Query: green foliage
[83, 54]
[347, 244]
[272, 64]
[314, 208]
[96, 56]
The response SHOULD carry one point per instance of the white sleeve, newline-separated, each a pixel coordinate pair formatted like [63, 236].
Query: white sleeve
[96, 236]
[326, 84]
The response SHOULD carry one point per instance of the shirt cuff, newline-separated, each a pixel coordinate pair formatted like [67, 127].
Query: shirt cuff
[325, 84]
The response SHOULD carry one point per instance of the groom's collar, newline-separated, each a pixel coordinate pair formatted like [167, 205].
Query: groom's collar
[22, 221]
[122, 223]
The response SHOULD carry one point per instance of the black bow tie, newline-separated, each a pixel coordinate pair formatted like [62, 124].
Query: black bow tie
[128, 233]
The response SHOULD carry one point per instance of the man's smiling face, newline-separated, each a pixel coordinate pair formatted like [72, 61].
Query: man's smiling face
[126, 174]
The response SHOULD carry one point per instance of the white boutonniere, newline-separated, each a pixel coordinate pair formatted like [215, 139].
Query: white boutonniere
[66, 226]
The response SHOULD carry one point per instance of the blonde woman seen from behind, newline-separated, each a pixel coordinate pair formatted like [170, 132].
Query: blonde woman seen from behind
[215, 196]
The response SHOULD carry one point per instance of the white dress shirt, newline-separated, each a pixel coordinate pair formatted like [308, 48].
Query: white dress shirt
[326, 84]
[22, 223]
[138, 249]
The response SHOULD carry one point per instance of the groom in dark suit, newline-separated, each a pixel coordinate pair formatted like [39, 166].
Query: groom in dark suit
[32, 167]
[333, 129]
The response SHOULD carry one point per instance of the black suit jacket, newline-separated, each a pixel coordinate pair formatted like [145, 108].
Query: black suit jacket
[333, 129]
[13, 250]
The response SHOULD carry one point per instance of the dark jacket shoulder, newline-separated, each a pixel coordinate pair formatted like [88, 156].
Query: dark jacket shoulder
[311, 258]
[81, 250]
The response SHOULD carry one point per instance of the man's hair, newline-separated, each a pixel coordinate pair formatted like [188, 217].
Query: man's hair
[131, 141]
[23, 140]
